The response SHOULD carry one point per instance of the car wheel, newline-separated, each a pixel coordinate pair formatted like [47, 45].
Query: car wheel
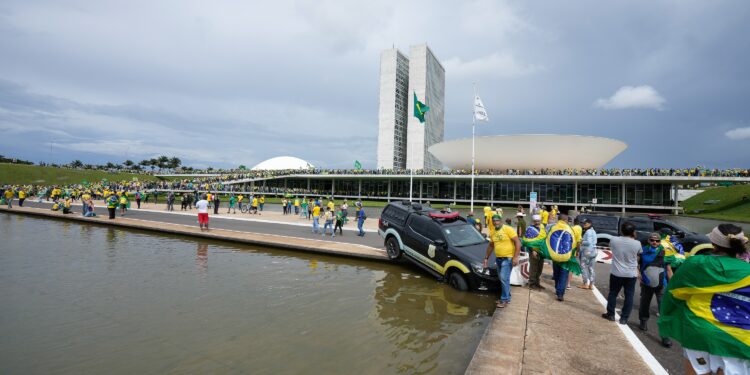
[456, 281]
[392, 248]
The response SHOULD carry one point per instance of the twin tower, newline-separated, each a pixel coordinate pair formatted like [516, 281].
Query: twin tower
[402, 140]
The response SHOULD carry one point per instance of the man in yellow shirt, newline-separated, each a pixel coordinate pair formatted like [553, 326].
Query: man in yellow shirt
[316, 218]
[507, 247]
[545, 216]
[8, 195]
[21, 197]
[254, 206]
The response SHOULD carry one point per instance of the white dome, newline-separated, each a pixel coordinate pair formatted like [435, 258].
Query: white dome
[532, 151]
[282, 162]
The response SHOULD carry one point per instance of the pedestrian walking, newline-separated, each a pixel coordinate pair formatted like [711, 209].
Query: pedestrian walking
[588, 255]
[8, 195]
[624, 271]
[328, 217]
[652, 274]
[340, 222]
[123, 203]
[506, 246]
[21, 197]
[561, 274]
[316, 219]
[705, 307]
[361, 217]
[202, 206]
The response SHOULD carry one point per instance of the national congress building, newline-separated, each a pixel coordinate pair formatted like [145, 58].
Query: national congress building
[403, 141]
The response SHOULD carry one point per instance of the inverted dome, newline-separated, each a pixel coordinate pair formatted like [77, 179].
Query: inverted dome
[282, 162]
[529, 151]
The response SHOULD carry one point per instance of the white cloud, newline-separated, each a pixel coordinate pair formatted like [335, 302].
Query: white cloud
[633, 97]
[738, 133]
[496, 65]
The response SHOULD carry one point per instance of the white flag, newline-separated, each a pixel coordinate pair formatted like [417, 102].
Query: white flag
[480, 114]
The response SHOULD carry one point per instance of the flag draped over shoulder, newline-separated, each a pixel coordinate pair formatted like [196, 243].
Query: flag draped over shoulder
[419, 109]
[707, 306]
[480, 114]
[558, 245]
[674, 253]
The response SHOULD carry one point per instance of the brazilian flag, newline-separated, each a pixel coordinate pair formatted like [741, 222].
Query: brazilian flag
[707, 306]
[558, 245]
[674, 252]
[419, 109]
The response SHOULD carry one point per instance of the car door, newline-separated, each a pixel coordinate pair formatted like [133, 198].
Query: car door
[420, 228]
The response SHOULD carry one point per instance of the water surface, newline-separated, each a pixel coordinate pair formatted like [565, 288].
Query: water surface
[91, 299]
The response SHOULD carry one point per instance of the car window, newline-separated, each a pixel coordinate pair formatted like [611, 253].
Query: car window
[643, 226]
[420, 224]
[603, 222]
[395, 214]
[462, 235]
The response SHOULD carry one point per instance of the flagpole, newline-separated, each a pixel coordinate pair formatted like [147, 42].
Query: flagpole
[473, 124]
[409, 163]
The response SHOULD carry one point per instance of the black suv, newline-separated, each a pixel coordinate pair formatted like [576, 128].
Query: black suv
[608, 226]
[442, 243]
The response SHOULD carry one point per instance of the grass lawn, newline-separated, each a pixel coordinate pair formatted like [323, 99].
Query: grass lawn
[721, 203]
[33, 174]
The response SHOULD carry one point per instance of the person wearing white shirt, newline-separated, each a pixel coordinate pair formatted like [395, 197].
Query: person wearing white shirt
[202, 206]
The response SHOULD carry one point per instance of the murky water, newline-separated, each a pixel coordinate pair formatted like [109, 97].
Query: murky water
[91, 299]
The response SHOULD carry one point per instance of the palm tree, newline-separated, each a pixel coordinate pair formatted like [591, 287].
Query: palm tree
[174, 162]
[128, 163]
[163, 162]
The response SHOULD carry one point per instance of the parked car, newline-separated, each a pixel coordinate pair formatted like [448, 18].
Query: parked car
[441, 243]
[608, 226]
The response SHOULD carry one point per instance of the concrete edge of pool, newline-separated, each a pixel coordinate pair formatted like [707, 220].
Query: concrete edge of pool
[511, 343]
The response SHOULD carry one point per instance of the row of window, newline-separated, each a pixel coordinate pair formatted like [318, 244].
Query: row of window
[609, 194]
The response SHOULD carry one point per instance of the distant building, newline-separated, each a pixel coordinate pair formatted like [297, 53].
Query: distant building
[393, 112]
[427, 80]
[402, 140]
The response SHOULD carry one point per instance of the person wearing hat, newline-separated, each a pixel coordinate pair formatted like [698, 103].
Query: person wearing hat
[471, 219]
[507, 247]
[716, 285]
[520, 223]
[536, 260]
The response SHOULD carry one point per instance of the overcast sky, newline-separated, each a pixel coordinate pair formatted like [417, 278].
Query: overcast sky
[224, 83]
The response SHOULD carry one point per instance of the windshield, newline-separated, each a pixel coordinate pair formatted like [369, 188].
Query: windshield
[463, 235]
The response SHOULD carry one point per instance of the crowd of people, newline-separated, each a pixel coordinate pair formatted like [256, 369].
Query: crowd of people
[703, 299]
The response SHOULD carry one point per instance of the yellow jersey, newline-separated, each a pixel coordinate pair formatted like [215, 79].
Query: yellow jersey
[502, 240]
[316, 211]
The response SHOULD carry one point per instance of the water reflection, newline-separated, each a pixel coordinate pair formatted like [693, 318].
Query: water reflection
[419, 314]
[201, 259]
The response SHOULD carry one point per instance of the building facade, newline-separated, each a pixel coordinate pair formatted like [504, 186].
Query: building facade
[427, 80]
[393, 111]
[403, 141]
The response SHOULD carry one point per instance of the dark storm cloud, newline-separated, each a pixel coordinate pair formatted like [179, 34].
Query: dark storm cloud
[227, 83]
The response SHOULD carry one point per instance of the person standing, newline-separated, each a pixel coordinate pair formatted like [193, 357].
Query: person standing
[520, 223]
[304, 208]
[232, 200]
[624, 271]
[254, 206]
[328, 217]
[340, 222]
[705, 307]
[559, 273]
[296, 206]
[507, 247]
[21, 196]
[361, 217]
[283, 206]
[170, 201]
[536, 259]
[316, 218]
[588, 254]
[8, 195]
[217, 202]
[652, 274]
[262, 203]
[202, 206]
[123, 203]
[112, 205]
[345, 210]
[138, 199]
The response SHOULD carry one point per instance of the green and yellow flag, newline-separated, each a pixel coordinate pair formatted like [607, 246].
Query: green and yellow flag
[419, 109]
[558, 245]
[707, 306]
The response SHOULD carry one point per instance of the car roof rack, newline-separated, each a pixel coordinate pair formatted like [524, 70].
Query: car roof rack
[443, 215]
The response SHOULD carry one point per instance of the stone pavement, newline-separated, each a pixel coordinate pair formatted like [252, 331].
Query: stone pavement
[536, 334]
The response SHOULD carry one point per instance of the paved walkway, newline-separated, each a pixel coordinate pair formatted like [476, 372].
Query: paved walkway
[254, 238]
[536, 334]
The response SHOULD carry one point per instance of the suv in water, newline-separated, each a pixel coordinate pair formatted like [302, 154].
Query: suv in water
[441, 243]
[608, 226]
